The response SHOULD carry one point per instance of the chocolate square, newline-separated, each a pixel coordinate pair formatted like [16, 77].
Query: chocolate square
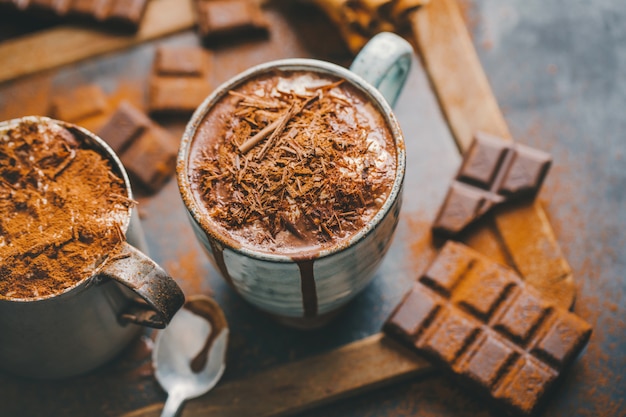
[127, 12]
[94, 9]
[565, 335]
[181, 60]
[522, 317]
[526, 172]
[487, 360]
[483, 160]
[462, 205]
[124, 126]
[80, 103]
[524, 387]
[447, 268]
[414, 313]
[229, 18]
[177, 95]
[484, 288]
[151, 158]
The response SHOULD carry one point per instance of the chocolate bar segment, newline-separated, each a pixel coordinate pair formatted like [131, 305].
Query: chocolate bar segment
[119, 14]
[147, 151]
[183, 61]
[493, 171]
[220, 19]
[82, 102]
[124, 126]
[179, 81]
[151, 158]
[483, 323]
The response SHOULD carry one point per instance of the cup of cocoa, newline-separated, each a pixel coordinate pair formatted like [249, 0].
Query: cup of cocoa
[292, 175]
[74, 287]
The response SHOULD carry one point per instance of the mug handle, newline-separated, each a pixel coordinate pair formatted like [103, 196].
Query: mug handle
[385, 62]
[160, 296]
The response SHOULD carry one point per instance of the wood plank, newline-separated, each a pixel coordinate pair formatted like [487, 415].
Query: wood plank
[297, 386]
[468, 102]
[67, 44]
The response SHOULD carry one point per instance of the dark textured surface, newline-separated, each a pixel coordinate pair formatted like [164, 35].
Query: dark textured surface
[558, 69]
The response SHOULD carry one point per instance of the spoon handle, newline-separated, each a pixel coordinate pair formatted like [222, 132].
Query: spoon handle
[173, 404]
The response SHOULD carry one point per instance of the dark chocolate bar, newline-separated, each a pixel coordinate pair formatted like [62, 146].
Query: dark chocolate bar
[82, 102]
[147, 151]
[179, 82]
[219, 19]
[120, 14]
[493, 171]
[124, 126]
[182, 61]
[482, 322]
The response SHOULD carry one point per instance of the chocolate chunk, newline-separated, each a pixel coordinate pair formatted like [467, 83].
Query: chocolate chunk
[182, 61]
[179, 80]
[120, 14]
[493, 171]
[147, 151]
[486, 325]
[219, 19]
[177, 95]
[80, 103]
[151, 159]
[124, 126]
[127, 14]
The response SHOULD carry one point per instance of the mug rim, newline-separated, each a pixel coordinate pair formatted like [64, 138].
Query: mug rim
[293, 64]
[92, 139]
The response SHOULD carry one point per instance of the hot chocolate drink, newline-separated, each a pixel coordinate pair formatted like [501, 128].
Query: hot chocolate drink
[62, 210]
[292, 162]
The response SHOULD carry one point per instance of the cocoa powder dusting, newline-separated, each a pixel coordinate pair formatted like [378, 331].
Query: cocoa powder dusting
[61, 210]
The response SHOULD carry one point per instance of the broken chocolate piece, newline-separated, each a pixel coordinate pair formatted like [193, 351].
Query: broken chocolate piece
[127, 14]
[482, 322]
[177, 95]
[147, 151]
[151, 158]
[182, 61]
[80, 103]
[120, 14]
[493, 171]
[179, 81]
[219, 19]
[124, 126]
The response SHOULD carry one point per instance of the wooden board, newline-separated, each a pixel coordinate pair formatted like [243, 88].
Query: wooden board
[66, 44]
[304, 384]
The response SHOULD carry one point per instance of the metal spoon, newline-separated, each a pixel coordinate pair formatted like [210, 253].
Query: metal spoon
[189, 354]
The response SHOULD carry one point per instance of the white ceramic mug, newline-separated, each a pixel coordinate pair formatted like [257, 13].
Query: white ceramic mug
[306, 293]
[87, 324]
